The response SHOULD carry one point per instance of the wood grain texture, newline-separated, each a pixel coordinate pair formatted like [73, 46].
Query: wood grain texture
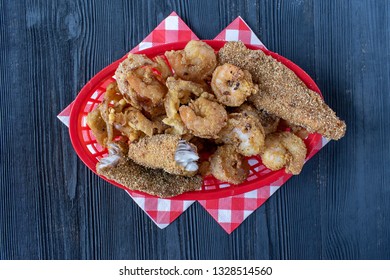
[53, 207]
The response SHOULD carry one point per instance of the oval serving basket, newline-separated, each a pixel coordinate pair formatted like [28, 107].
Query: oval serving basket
[90, 151]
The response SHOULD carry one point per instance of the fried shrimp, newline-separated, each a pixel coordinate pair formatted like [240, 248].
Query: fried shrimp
[133, 61]
[184, 89]
[245, 132]
[139, 84]
[226, 164]
[284, 149]
[204, 118]
[275, 155]
[196, 62]
[132, 120]
[269, 122]
[163, 68]
[231, 85]
[171, 104]
[179, 92]
[146, 91]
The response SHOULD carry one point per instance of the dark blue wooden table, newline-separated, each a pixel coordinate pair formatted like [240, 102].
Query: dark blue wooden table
[53, 207]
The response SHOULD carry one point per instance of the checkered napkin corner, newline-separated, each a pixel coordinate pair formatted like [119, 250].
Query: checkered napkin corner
[162, 211]
[171, 29]
[239, 30]
[231, 211]
[65, 114]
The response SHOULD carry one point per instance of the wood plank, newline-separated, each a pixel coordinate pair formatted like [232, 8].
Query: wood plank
[349, 77]
[53, 207]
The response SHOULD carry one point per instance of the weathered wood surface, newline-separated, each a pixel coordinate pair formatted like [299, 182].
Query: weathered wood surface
[53, 207]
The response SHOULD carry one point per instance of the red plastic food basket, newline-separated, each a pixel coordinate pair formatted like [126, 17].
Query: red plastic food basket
[90, 151]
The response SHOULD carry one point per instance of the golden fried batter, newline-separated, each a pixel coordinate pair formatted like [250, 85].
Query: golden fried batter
[204, 118]
[282, 93]
[245, 132]
[226, 164]
[98, 126]
[152, 181]
[163, 68]
[231, 85]
[268, 121]
[284, 149]
[133, 61]
[140, 86]
[179, 92]
[196, 62]
[160, 151]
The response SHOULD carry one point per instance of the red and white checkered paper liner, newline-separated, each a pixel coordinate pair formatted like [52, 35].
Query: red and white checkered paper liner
[229, 212]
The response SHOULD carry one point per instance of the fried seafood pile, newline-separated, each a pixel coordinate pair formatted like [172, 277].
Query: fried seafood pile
[170, 120]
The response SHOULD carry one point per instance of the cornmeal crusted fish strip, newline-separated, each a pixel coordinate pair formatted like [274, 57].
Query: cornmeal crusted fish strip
[167, 152]
[282, 93]
[152, 181]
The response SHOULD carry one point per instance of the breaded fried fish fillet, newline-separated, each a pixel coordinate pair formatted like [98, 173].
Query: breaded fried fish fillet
[167, 152]
[152, 181]
[282, 93]
[133, 176]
